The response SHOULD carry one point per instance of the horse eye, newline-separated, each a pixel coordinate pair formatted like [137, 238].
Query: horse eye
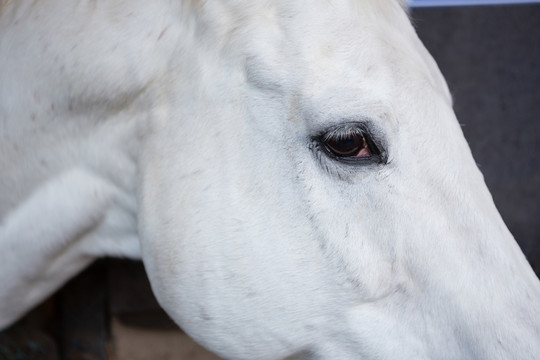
[352, 145]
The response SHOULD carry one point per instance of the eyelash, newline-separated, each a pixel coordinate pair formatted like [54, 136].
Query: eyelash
[340, 133]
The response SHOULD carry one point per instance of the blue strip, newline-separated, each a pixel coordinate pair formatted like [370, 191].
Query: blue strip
[437, 3]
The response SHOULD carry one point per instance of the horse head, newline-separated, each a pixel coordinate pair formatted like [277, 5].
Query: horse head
[303, 188]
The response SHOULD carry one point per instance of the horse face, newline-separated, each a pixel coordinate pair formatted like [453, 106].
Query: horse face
[306, 190]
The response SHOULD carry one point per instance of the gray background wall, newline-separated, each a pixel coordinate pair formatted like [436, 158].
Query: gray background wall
[490, 57]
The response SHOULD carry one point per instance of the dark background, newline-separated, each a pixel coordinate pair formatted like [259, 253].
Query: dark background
[490, 57]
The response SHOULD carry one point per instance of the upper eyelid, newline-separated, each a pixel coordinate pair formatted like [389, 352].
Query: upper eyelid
[343, 128]
[342, 132]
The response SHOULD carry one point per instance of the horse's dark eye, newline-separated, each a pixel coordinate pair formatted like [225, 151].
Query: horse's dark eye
[352, 145]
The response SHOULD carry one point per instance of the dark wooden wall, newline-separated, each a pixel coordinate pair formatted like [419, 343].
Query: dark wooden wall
[491, 59]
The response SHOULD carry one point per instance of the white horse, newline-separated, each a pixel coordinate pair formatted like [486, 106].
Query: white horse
[290, 172]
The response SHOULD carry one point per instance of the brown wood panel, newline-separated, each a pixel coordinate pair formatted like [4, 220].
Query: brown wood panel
[84, 316]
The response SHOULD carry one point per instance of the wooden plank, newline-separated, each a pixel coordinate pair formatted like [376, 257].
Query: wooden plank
[27, 344]
[82, 306]
[141, 343]
[130, 297]
[140, 329]
[32, 337]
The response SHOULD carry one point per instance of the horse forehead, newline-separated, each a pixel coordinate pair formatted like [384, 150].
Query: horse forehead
[337, 57]
[338, 22]
[352, 37]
